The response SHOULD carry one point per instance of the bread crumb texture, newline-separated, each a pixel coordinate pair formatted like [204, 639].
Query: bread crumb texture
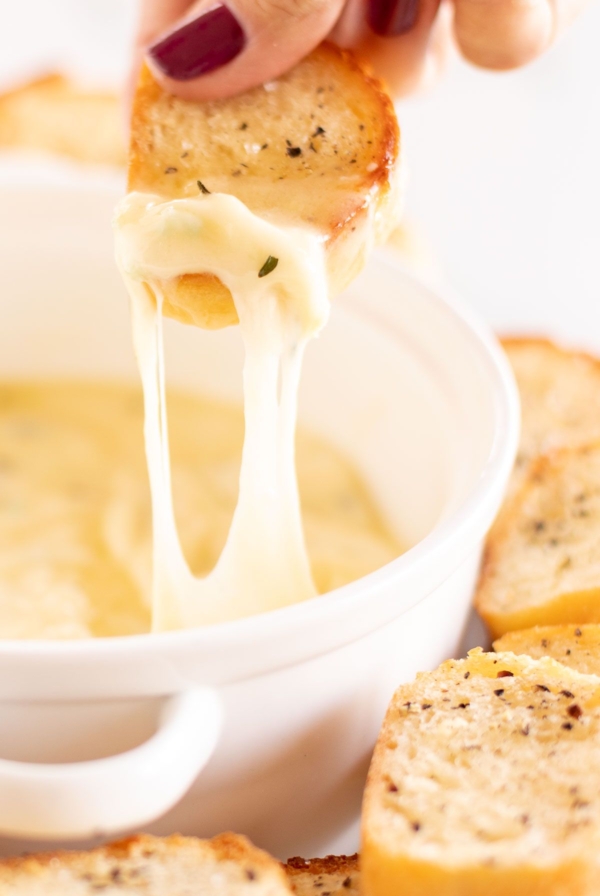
[326, 118]
[317, 148]
[485, 780]
[227, 865]
[331, 876]
[576, 646]
[541, 563]
[560, 399]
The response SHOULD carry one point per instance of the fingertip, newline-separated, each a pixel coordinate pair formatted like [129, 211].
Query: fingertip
[226, 49]
[501, 35]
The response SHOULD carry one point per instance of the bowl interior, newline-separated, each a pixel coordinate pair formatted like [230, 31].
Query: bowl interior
[396, 379]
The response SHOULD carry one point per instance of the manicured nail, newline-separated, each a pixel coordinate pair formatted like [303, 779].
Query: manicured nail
[199, 46]
[388, 18]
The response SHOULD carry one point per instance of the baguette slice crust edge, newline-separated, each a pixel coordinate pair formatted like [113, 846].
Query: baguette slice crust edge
[412, 867]
[560, 399]
[334, 875]
[344, 182]
[140, 863]
[52, 114]
[576, 646]
[539, 565]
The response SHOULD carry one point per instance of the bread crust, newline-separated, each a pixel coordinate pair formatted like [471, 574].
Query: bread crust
[576, 646]
[496, 711]
[349, 195]
[550, 522]
[226, 847]
[54, 115]
[332, 875]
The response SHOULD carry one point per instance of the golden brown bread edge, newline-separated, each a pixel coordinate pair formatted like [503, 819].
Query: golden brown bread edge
[223, 847]
[370, 203]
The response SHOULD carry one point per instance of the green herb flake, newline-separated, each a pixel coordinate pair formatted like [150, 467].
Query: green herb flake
[269, 266]
[202, 188]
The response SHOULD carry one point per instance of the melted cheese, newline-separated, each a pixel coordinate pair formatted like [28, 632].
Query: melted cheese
[264, 564]
[75, 531]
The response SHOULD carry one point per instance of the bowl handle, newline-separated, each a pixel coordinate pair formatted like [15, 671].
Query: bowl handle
[110, 795]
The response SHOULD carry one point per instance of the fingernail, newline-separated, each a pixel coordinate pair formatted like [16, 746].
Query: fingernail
[389, 18]
[199, 46]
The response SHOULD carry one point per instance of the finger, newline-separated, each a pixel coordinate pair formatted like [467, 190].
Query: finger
[503, 34]
[208, 50]
[400, 49]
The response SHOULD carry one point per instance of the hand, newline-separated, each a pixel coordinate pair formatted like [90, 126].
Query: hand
[205, 50]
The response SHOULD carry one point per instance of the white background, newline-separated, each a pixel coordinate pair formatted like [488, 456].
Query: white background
[504, 168]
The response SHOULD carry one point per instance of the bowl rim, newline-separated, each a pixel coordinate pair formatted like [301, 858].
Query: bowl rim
[475, 512]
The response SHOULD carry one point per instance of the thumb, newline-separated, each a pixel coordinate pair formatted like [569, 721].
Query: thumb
[210, 50]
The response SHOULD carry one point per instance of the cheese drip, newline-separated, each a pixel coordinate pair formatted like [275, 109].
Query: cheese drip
[264, 564]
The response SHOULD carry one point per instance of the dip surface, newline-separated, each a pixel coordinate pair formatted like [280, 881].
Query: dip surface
[75, 520]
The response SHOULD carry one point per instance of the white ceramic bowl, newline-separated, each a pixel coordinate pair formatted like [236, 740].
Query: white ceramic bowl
[263, 725]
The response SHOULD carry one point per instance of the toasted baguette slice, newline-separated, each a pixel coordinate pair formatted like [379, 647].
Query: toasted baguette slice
[228, 865]
[485, 781]
[560, 400]
[542, 564]
[54, 115]
[317, 147]
[576, 646]
[331, 876]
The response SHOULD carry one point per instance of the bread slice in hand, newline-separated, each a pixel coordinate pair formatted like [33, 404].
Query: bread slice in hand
[227, 865]
[560, 399]
[576, 646]
[317, 147]
[542, 563]
[331, 876]
[55, 115]
[485, 782]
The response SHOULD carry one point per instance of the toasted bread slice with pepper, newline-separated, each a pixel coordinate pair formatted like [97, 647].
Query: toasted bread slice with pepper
[317, 147]
[560, 399]
[542, 563]
[333, 875]
[55, 115]
[177, 866]
[576, 646]
[484, 781]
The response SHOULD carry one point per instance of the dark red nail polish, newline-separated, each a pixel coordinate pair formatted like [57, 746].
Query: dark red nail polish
[199, 46]
[388, 18]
